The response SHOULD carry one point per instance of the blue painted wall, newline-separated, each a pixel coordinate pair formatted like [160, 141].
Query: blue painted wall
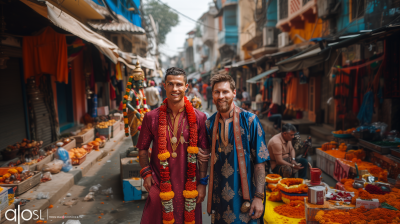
[120, 7]
[378, 13]
[272, 13]
[229, 35]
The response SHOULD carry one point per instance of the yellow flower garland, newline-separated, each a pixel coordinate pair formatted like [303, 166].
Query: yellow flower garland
[273, 178]
[192, 150]
[190, 194]
[166, 196]
[164, 156]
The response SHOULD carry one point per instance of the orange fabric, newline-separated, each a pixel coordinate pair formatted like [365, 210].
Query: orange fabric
[46, 54]
[78, 87]
[307, 32]
[297, 95]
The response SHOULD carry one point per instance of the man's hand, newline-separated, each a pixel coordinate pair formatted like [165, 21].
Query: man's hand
[148, 182]
[202, 157]
[298, 167]
[202, 193]
[257, 207]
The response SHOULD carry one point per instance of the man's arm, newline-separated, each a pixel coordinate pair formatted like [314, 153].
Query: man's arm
[144, 158]
[259, 177]
[257, 206]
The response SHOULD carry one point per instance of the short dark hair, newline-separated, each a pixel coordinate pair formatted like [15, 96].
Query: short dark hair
[175, 71]
[247, 103]
[223, 78]
[244, 88]
[288, 127]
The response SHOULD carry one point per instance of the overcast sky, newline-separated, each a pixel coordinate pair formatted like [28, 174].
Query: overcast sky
[191, 8]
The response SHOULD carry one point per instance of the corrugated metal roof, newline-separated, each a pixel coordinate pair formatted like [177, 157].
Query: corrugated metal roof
[117, 27]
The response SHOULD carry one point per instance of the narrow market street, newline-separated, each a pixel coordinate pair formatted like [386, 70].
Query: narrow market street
[104, 209]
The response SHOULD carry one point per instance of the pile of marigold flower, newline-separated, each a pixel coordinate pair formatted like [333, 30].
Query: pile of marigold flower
[295, 209]
[359, 215]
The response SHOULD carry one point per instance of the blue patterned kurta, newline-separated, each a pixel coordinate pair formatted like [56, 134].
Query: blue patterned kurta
[227, 193]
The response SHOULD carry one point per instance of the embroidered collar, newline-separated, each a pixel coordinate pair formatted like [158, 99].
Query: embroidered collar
[180, 110]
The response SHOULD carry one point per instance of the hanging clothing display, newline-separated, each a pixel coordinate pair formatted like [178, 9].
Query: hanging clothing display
[46, 53]
[276, 92]
[297, 95]
[268, 88]
[118, 72]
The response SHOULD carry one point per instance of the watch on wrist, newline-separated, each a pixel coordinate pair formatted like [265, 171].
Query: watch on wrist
[294, 159]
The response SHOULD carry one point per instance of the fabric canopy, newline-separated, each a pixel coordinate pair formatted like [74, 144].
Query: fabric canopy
[70, 24]
[245, 62]
[256, 79]
[194, 75]
[302, 61]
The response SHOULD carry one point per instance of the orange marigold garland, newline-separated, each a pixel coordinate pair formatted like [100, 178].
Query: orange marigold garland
[190, 193]
[273, 178]
[295, 209]
[127, 100]
[292, 185]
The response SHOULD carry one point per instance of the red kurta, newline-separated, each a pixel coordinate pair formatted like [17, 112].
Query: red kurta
[152, 213]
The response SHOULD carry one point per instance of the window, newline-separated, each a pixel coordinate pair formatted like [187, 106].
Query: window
[283, 9]
[357, 8]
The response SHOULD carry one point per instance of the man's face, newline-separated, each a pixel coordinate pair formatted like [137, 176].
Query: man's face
[288, 136]
[175, 88]
[223, 96]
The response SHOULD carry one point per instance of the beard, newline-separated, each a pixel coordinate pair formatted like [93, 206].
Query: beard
[224, 107]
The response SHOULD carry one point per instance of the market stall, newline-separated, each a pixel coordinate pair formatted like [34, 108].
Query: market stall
[361, 200]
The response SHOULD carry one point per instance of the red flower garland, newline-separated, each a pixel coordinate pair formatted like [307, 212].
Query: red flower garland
[163, 155]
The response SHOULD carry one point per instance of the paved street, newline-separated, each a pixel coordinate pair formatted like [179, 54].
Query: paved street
[110, 209]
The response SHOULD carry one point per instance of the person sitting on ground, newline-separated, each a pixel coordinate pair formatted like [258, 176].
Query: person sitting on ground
[274, 116]
[282, 154]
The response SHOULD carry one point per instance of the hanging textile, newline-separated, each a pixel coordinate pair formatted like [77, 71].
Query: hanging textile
[118, 72]
[284, 90]
[276, 92]
[367, 109]
[268, 88]
[356, 105]
[342, 85]
[46, 53]
[297, 95]
[75, 48]
[303, 78]
[112, 92]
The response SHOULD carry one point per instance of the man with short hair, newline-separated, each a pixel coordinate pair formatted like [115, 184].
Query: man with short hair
[282, 153]
[238, 157]
[245, 94]
[172, 176]
[152, 96]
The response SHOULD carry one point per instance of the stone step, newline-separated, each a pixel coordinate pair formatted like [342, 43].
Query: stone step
[302, 125]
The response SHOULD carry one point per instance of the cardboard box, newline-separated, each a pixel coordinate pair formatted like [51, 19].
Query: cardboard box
[4, 198]
[316, 195]
[132, 189]
[369, 204]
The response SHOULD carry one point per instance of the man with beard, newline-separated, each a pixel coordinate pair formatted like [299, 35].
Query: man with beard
[238, 156]
[175, 182]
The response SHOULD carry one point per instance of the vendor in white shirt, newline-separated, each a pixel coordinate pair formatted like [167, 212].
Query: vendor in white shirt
[152, 96]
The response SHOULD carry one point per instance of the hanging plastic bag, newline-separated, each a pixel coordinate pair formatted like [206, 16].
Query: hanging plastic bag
[64, 156]
[54, 166]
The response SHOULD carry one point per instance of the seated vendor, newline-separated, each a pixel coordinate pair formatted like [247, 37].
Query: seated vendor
[282, 154]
